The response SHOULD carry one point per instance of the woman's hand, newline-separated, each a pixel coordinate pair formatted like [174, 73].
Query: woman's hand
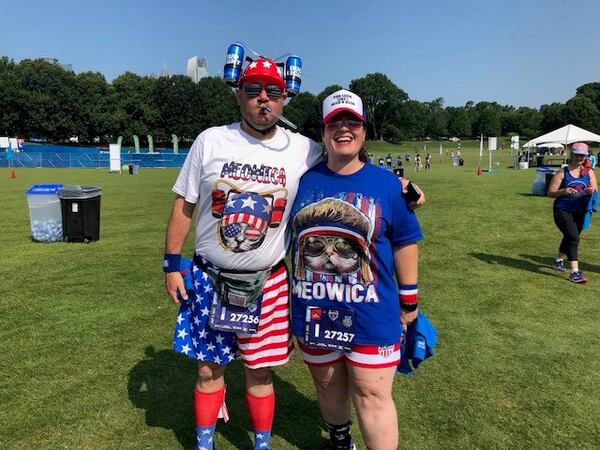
[407, 317]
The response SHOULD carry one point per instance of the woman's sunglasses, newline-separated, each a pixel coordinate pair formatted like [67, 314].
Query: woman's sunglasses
[273, 91]
[353, 125]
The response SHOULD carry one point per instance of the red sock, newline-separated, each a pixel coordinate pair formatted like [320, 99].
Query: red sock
[261, 410]
[206, 406]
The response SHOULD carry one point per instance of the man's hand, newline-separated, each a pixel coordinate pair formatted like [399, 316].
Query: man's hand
[419, 202]
[407, 317]
[413, 193]
[174, 285]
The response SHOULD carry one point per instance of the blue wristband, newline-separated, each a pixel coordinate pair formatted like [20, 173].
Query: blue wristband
[171, 262]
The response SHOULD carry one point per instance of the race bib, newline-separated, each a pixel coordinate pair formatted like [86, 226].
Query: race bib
[228, 317]
[329, 327]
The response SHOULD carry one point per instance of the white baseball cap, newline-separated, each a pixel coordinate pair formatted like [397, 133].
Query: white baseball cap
[342, 101]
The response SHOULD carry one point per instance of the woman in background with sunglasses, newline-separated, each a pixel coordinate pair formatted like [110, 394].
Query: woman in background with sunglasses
[572, 187]
[355, 279]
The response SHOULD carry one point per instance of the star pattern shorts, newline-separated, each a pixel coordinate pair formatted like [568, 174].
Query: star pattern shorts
[270, 346]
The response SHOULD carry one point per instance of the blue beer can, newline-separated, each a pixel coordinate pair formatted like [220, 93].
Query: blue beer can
[293, 74]
[233, 64]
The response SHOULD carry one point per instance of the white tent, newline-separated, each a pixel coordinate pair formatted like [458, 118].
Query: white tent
[565, 135]
[551, 145]
[544, 145]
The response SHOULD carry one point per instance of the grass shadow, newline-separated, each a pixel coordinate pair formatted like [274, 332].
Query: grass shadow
[162, 384]
[546, 261]
[521, 264]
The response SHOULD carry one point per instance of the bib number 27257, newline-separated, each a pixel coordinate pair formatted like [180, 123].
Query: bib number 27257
[329, 328]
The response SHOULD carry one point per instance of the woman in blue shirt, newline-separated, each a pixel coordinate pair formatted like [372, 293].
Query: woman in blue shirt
[354, 278]
[572, 187]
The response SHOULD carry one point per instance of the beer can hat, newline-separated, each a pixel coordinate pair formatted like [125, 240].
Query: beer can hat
[580, 148]
[342, 101]
[264, 70]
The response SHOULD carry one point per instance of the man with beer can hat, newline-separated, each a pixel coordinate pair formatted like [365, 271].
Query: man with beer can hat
[242, 178]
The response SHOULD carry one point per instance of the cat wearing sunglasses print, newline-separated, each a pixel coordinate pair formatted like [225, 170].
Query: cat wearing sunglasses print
[333, 241]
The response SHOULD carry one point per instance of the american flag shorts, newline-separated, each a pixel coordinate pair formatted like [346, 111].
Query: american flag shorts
[370, 356]
[270, 346]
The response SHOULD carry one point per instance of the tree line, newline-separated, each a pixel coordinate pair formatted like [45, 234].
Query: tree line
[43, 100]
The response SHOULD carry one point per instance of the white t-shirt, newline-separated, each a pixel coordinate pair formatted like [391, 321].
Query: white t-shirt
[244, 189]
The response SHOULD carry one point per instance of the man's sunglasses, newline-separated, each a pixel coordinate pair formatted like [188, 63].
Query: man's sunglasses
[273, 91]
[353, 125]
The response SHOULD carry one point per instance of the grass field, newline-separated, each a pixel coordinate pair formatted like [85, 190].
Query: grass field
[85, 330]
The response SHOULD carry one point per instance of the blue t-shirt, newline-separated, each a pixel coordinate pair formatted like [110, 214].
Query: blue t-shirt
[577, 202]
[346, 227]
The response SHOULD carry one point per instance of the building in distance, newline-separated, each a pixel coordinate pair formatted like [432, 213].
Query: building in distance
[197, 68]
[54, 61]
[164, 71]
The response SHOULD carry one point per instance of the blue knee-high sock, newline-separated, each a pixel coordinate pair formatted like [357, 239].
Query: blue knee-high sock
[205, 437]
[206, 407]
[261, 410]
[261, 440]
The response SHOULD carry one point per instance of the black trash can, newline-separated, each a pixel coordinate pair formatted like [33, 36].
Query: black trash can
[80, 213]
[461, 162]
[134, 169]
[399, 171]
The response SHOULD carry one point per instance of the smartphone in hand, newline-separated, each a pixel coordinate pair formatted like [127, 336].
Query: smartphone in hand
[413, 193]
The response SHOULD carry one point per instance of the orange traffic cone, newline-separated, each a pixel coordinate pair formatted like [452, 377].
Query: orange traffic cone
[13, 174]
[479, 172]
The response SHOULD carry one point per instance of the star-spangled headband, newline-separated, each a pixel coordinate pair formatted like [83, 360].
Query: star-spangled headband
[248, 203]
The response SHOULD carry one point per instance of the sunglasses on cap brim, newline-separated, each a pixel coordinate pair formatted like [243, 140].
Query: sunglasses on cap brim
[252, 90]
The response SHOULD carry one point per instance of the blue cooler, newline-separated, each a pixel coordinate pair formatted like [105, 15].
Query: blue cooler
[45, 213]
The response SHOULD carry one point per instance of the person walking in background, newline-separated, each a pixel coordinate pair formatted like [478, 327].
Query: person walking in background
[388, 160]
[354, 279]
[418, 162]
[572, 187]
[593, 160]
[243, 179]
[428, 159]
[398, 160]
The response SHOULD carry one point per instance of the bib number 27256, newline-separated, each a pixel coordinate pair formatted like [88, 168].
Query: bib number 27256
[228, 317]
